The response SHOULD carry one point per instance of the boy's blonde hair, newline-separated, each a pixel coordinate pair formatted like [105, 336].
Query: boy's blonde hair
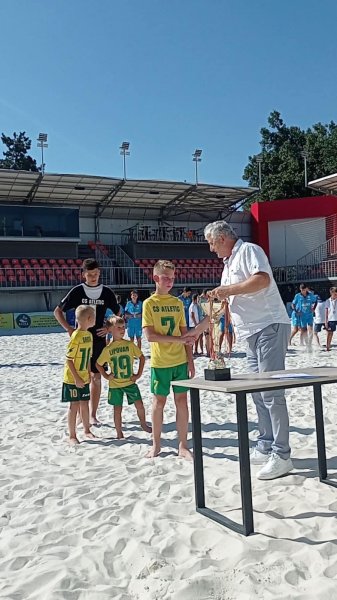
[83, 310]
[112, 321]
[161, 265]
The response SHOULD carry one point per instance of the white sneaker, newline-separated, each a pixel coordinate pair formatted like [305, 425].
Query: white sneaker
[257, 457]
[275, 467]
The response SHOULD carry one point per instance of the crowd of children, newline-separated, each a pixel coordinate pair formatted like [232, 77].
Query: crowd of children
[310, 314]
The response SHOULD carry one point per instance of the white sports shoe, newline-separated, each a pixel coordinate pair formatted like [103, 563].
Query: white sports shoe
[257, 457]
[275, 467]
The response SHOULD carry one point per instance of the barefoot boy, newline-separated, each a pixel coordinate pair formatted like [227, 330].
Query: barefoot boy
[120, 355]
[164, 326]
[76, 372]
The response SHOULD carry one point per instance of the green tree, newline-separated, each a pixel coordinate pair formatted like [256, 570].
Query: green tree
[282, 166]
[16, 155]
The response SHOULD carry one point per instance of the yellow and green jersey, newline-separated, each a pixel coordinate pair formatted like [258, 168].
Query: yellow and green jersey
[120, 356]
[79, 350]
[165, 313]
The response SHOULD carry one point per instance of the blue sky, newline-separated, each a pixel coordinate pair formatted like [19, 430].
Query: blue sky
[169, 76]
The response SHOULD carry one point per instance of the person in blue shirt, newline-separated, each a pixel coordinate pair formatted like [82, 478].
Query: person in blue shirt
[302, 317]
[133, 316]
[109, 313]
[186, 298]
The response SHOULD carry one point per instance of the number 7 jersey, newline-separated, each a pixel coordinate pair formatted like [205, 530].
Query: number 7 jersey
[79, 350]
[165, 313]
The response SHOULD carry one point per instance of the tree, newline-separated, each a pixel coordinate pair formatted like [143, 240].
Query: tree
[16, 156]
[282, 166]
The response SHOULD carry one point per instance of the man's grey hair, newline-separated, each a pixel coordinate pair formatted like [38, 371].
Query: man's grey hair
[217, 228]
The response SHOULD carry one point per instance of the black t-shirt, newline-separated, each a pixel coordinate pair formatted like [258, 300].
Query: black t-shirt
[99, 296]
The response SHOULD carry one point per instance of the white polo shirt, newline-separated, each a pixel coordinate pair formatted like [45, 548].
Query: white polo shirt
[331, 306]
[252, 312]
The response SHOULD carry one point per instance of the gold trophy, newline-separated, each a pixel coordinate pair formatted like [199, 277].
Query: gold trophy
[216, 368]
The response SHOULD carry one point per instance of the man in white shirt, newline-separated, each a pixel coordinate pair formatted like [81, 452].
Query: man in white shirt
[331, 316]
[259, 317]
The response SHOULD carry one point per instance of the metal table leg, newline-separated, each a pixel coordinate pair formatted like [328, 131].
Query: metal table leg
[321, 452]
[246, 492]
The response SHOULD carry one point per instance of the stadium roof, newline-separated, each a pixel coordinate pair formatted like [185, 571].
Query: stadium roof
[170, 197]
[326, 185]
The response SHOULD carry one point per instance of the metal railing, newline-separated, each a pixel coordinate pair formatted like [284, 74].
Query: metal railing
[127, 277]
[327, 269]
[322, 253]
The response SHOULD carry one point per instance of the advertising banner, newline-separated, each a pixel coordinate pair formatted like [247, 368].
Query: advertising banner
[6, 321]
[34, 319]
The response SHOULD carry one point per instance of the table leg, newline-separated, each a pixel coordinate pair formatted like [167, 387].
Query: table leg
[197, 450]
[322, 468]
[245, 478]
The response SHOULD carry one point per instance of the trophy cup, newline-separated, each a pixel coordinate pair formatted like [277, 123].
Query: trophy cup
[216, 368]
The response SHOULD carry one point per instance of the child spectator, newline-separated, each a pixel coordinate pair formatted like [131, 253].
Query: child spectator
[133, 316]
[120, 355]
[76, 377]
[331, 317]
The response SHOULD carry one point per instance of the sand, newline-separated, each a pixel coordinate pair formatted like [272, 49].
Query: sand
[102, 522]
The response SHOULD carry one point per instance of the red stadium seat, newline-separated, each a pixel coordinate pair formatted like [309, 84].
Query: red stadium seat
[11, 279]
[43, 261]
[61, 261]
[5, 262]
[70, 262]
[52, 261]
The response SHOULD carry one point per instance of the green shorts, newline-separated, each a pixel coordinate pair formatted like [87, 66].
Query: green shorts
[162, 378]
[71, 393]
[115, 396]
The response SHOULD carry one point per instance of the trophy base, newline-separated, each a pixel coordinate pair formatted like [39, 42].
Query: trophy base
[217, 374]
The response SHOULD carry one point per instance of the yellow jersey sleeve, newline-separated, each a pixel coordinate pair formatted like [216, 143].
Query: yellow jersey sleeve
[103, 357]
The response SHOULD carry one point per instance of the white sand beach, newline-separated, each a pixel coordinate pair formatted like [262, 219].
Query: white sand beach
[102, 522]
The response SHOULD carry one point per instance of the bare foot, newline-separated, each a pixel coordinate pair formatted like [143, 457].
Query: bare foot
[146, 427]
[73, 441]
[153, 452]
[95, 421]
[90, 435]
[185, 453]
[120, 435]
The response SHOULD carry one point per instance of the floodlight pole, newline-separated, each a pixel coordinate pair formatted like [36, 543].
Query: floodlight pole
[259, 160]
[196, 158]
[124, 152]
[42, 143]
[304, 155]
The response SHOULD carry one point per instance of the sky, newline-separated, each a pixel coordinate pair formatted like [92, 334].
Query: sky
[168, 76]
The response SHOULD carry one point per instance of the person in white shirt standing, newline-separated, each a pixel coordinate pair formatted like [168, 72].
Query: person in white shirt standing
[331, 317]
[319, 318]
[259, 317]
[194, 320]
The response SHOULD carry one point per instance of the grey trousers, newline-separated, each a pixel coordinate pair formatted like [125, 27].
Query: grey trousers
[266, 351]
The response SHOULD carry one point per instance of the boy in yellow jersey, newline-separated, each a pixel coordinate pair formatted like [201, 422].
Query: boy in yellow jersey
[164, 326]
[120, 355]
[76, 377]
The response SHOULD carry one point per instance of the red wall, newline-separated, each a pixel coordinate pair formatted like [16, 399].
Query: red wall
[284, 210]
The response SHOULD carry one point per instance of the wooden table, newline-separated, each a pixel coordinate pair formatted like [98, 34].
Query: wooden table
[241, 385]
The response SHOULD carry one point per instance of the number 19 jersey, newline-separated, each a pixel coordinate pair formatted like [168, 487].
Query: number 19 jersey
[165, 313]
[79, 350]
[120, 356]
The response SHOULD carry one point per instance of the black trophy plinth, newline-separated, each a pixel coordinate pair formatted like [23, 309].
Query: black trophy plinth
[223, 374]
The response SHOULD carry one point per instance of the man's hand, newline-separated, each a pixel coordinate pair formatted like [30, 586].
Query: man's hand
[221, 293]
[110, 376]
[134, 378]
[102, 332]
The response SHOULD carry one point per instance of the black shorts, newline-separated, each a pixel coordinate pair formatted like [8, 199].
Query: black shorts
[97, 347]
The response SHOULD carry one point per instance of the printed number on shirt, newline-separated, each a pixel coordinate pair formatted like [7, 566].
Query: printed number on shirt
[85, 358]
[170, 322]
[122, 368]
